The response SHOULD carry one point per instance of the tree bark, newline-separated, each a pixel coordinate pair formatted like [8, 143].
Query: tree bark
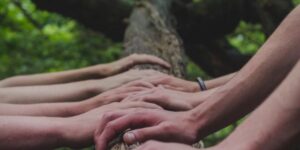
[202, 25]
[151, 31]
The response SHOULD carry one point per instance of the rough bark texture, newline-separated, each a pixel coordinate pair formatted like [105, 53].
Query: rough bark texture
[151, 31]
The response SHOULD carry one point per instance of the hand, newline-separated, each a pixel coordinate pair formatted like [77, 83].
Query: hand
[168, 99]
[80, 129]
[111, 96]
[123, 78]
[132, 60]
[173, 83]
[153, 124]
[154, 145]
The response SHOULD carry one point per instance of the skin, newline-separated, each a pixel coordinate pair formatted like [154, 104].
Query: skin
[68, 109]
[33, 133]
[248, 89]
[173, 83]
[257, 130]
[93, 72]
[68, 92]
[261, 130]
[170, 99]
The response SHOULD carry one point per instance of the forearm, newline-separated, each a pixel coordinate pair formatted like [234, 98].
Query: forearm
[93, 72]
[32, 133]
[255, 132]
[52, 93]
[255, 81]
[67, 92]
[47, 109]
[66, 109]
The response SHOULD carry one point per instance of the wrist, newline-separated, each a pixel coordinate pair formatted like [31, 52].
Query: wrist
[75, 133]
[82, 106]
[197, 122]
[101, 70]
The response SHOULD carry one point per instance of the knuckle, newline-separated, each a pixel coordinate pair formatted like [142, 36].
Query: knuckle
[107, 116]
[110, 125]
[168, 127]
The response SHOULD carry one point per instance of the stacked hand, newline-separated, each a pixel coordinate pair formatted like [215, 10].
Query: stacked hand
[123, 78]
[171, 82]
[80, 129]
[130, 61]
[154, 124]
[169, 99]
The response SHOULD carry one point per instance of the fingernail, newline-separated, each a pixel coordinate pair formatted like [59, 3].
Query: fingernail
[129, 138]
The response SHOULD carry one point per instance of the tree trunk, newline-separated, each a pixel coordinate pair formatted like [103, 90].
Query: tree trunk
[151, 31]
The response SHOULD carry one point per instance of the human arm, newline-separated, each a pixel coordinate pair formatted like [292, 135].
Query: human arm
[262, 130]
[68, 109]
[174, 83]
[230, 102]
[170, 99]
[70, 91]
[33, 133]
[87, 73]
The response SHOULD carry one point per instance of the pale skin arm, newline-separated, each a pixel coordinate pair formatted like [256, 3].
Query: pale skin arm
[68, 109]
[93, 72]
[171, 99]
[70, 91]
[239, 96]
[34, 133]
[255, 132]
[173, 83]
[261, 130]
[251, 86]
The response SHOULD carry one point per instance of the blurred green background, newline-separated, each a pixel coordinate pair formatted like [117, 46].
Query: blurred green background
[33, 41]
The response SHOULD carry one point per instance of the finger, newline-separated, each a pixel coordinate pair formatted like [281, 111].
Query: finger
[115, 127]
[106, 118]
[155, 79]
[133, 89]
[143, 58]
[140, 105]
[175, 88]
[169, 104]
[140, 83]
[138, 95]
[142, 135]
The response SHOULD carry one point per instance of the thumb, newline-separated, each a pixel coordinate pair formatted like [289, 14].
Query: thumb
[142, 135]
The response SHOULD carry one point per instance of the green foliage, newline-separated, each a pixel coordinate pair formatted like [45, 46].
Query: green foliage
[194, 71]
[45, 42]
[247, 38]
[296, 2]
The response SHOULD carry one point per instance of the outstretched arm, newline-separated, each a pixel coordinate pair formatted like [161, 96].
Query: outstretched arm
[68, 92]
[68, 109]
[239, 96]
[173, 83]
[34, 133]
[93, 72]
[251, 86]
[275, 124]
[262, 130]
